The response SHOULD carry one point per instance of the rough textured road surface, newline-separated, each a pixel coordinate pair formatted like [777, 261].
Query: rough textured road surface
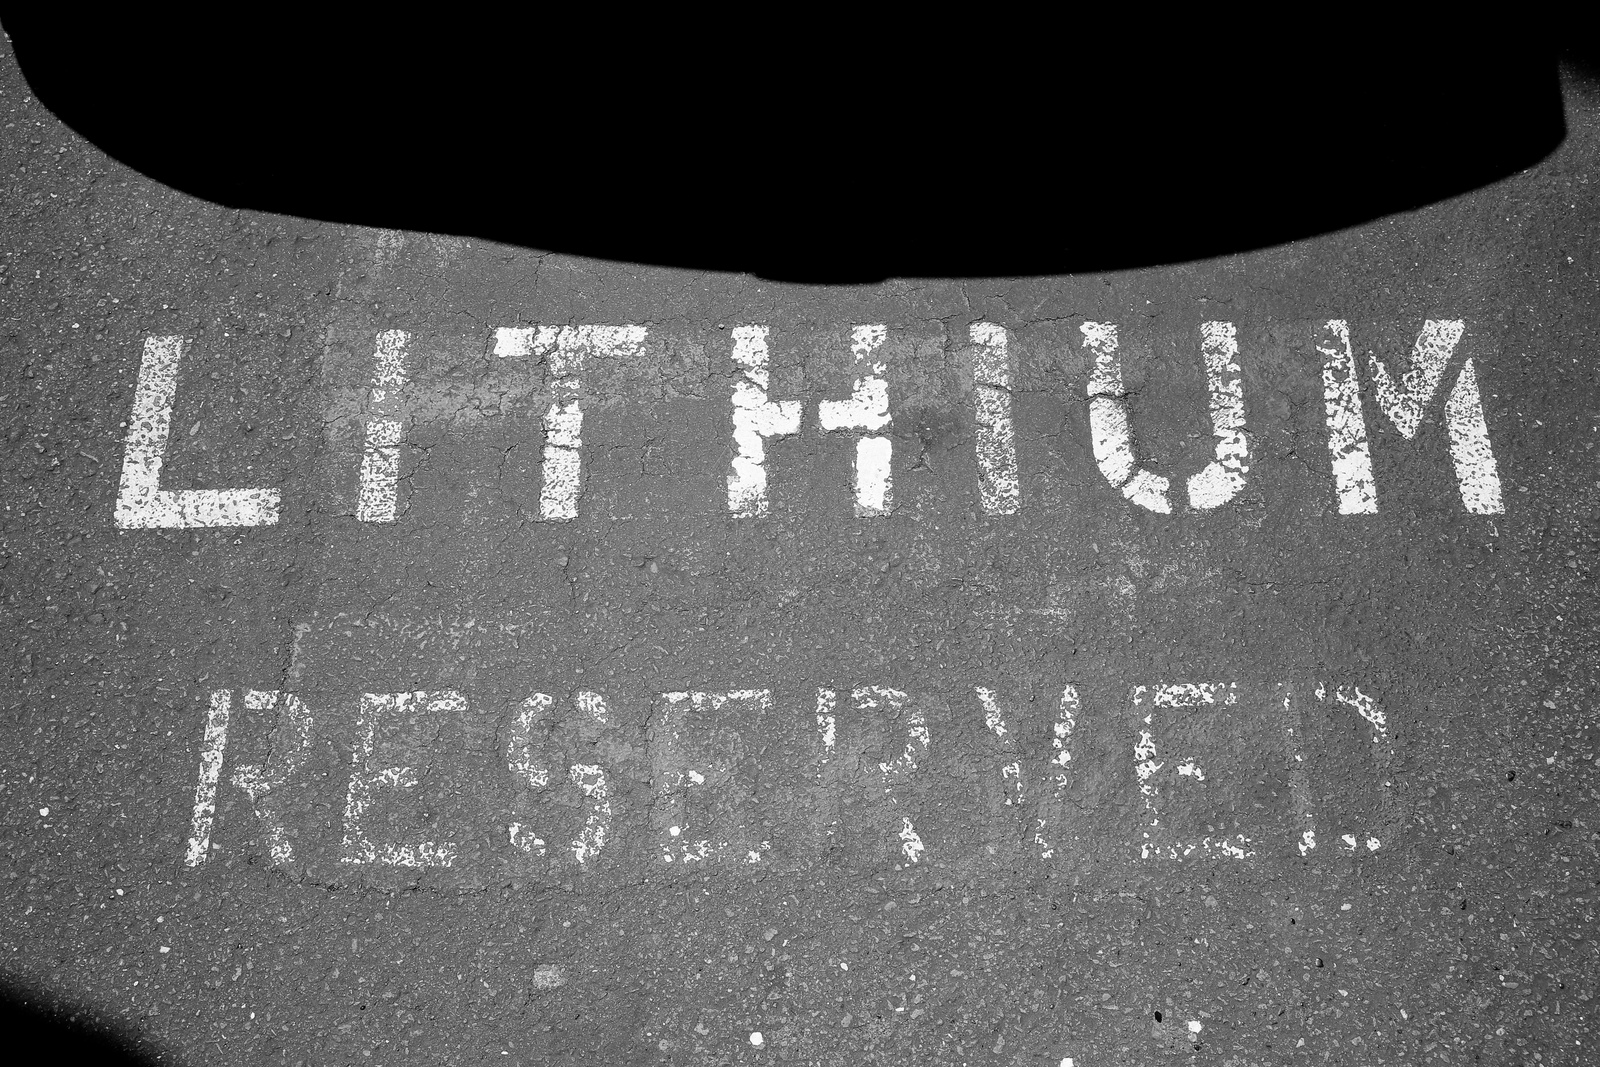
[422, 650]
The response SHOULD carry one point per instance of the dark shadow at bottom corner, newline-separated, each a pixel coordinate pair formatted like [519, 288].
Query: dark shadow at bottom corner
[39, 1027]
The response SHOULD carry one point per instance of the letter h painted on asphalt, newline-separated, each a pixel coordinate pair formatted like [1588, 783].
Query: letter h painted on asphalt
[756, 418]
[866, 413]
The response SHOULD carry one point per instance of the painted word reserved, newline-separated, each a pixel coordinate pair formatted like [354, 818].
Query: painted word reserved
[743, 777]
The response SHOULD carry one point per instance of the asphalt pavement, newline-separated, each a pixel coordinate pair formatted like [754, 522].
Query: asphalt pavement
[428, 650]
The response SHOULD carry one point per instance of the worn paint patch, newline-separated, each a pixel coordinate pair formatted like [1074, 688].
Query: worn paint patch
[999, 488]
[385, 429]
[371, 777]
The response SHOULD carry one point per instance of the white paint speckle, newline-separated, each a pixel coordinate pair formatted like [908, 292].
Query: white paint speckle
[870, 697]
[1366, 707]
[1066, 719]
[591, 782]
[910, 843]
[44, 812]
[756, 1039]
[1195, 1026]
[1010, 770]
[991, 712]
[549, 976]
[827, 701]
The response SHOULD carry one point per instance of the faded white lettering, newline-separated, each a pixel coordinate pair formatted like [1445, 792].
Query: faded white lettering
[755, 418]
[371, 776]
[141, 502]
[866, 412]
[998, 486]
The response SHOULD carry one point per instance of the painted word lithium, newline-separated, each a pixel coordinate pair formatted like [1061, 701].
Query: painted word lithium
[865, 418]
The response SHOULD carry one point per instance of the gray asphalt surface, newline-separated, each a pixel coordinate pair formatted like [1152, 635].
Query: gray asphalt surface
[876, 898]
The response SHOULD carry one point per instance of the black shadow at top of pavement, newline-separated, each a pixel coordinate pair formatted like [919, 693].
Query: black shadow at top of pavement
[43, 1029]
[843, 156]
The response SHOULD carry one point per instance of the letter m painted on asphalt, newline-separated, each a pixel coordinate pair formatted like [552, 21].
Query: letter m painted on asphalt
[1405, 401]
